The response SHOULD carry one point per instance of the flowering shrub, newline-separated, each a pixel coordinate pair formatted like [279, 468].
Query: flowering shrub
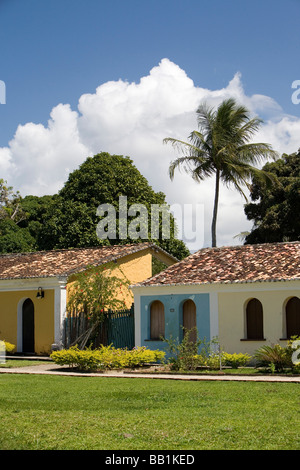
[236, 360]
[209, 360]
[184, 355]
[106, 357]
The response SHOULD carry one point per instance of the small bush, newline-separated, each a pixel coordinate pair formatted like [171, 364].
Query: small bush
[213, 361]
[236, 360]
[276, 355]
[84, 360]
[9, 348]
[185, 355]
[106, 357]
[208, 360]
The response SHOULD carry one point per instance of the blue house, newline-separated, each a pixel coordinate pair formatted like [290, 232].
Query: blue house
[244, 296]
[164, 316]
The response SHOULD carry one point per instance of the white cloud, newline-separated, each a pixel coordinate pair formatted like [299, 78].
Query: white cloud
[39, 158]
[132, 119]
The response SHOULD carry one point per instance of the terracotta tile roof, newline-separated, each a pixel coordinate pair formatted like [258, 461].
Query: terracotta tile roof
[62, 262]
[247, 263]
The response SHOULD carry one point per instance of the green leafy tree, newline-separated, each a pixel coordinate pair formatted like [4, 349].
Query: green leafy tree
[69, 219]
[103, 179]
[222, 147]
[14, 239]
[274, 210]
[37, 209]
[12, 214]
[69, 224]
[10, 203]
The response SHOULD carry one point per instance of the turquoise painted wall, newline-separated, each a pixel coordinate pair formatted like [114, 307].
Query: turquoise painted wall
[173, 317]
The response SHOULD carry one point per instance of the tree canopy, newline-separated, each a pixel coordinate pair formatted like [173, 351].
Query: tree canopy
[274, 210]
[13, 238]
[10, 203]
[69, 219]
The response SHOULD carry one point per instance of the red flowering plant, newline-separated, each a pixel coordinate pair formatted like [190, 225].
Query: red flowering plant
[97, 290]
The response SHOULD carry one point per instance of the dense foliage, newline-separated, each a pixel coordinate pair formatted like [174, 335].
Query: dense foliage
[274, 210]
[69, 219]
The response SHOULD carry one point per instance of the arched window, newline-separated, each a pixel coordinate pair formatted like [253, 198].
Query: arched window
[254, 319]
[292, 310]
[28, 326]
[189, 319]
[157, 320]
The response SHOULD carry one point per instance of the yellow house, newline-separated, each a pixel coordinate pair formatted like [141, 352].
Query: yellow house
[33, 288]
[246, 296]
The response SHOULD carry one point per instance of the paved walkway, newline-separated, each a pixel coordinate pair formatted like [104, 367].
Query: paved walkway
[50, 368]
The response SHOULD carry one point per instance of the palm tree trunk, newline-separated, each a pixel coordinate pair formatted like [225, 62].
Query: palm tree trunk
[215, 213]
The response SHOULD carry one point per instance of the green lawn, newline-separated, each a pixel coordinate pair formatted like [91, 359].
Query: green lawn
[54, 412]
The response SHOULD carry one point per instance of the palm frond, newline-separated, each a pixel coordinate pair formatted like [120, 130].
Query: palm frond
[183, 147]
[239, 173]
[255, 153]
[205, 118]
[189, 164]
[248, 130]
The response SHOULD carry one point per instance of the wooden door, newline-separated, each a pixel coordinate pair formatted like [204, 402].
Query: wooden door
[189, 319]
[28, 326]
[157, 320]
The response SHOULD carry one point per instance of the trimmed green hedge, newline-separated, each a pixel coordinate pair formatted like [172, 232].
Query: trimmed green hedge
[106, 357]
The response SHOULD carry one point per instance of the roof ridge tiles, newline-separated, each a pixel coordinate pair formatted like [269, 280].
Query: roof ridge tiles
[233, 264]
[66, 261]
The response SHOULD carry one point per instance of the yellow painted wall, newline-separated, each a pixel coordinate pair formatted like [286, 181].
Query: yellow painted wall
[136, 268]
[232, 318]
[43, 317]
[133, 268]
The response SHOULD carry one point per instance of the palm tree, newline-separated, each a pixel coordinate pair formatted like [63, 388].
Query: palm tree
[222, 147]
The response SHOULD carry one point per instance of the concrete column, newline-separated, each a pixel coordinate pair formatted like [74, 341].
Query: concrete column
[60, 304]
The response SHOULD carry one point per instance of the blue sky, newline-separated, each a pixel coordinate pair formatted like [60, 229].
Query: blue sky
[54, 52]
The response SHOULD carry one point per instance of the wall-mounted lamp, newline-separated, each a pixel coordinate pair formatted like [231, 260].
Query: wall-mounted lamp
[40, 293]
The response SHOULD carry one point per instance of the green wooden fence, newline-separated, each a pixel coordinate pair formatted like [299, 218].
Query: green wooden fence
[116, 329]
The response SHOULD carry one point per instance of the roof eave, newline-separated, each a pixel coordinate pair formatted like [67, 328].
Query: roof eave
[180, 284]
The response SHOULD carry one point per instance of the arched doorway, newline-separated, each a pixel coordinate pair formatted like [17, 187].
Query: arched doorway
[293, 317]
[28, 326]
[189, 319]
